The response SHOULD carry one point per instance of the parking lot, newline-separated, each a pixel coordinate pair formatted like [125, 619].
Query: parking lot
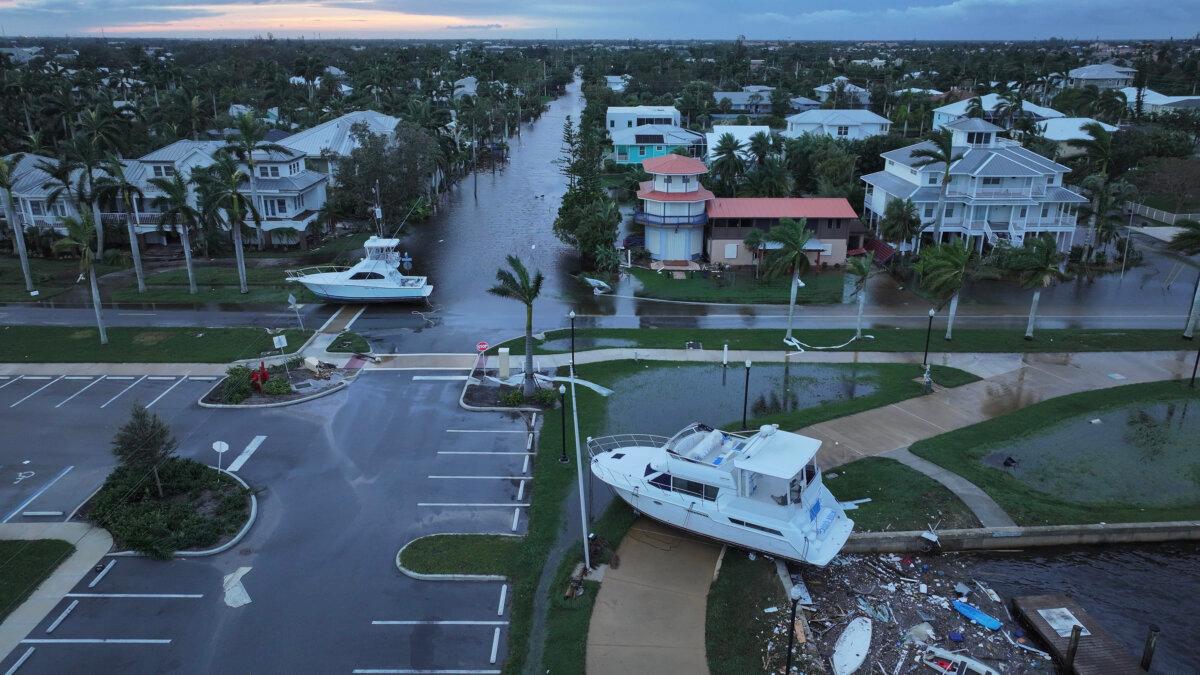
[342, 482]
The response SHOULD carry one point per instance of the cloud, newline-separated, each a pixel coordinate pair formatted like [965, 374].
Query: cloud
[474, 26]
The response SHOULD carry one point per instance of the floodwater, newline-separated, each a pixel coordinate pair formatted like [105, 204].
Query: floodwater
[666, 398]
[1143, 455]
[1125, 589]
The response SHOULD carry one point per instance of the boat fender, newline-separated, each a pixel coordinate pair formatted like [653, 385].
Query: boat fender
[767, 429]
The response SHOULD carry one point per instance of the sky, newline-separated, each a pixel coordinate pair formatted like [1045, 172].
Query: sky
[610, 19]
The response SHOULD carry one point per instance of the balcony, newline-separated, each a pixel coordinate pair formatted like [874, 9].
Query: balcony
[652, 219]
[992, 193]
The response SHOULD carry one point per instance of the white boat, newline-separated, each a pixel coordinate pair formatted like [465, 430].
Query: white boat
[851, 647]
[762, 492]
[376, 278]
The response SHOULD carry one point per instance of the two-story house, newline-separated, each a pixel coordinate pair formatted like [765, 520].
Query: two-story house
[1101, 76]
[998, 190]
[843, 93]
[628, 117]
[846, 124]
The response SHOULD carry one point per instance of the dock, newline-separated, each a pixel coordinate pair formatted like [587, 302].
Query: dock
[1098, 651]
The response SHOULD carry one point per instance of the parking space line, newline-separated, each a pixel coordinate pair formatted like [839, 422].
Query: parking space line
[25, 657]
[202, 379]
[120, 377]
[410, 671]
[482, 477]
[35, 391]
[167, 391]
[70, 608]
[41, 514]
[122, 391]
[12, 381]
[503, 594]
[135, 595]
[95, 641]
[516, 519]
[37, 377]
[479, 452]
[79, 377]
[37, 494]
[439, 623]
[478, 504]
[161, 378]
[242, 458]
[103, 572]
[485, 431]
[85, 388]
[495, 644]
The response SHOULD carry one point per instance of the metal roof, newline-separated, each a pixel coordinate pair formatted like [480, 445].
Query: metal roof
[780, 207]
[335, 135]
[840, 117]
[182, 149]
[1069, 128]
[891, 184]
[989, 102]
[295, 183]
[973, 124]
[672, 135]
[1102, 71]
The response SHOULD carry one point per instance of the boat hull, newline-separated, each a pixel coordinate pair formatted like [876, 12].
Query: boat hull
[342, 292]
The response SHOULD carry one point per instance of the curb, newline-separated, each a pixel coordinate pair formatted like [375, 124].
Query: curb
[237, 538]
[462, 401]
[449, 577]
[1033, 536]
[279, 358]
[238, 406]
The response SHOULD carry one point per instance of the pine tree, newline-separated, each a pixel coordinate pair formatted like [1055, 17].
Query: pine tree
[144, 442]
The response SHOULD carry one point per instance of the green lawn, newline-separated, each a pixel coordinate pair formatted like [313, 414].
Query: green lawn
[329, 250]
[901, 498]
[81, 344]
[736, 629]
[462, 554]
[26, 566]
[350, 342]
[961, 451]
[266, 285]
[51, 277]
[886, 339]
[742, 287]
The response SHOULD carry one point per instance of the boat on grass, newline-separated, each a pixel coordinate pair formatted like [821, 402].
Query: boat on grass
[376, 278]
[761, 492]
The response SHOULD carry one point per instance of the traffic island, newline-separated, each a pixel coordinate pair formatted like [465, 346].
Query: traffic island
[276, 386]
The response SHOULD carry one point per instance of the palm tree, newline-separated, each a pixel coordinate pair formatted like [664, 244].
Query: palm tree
[761, 146]
[754, 242]
[1038, 266]
[515, 283]
[901, 223]
[1104, 211]
[115, 184]
[942, 153]
[770, 179]
[861, 267]
[243, 145]
[1110, 105]
[975, 108]
[178, 214]
[792, 236]
[727, 165]
[1008, 108]
[943, 270]
[81, 234]
[226, 184]
[1097, 148]
[8, 166]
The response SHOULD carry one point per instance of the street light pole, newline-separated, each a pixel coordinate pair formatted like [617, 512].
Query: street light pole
[571, 315]
[928, 332]
[583, 513]
[746, 394]
[562, 405]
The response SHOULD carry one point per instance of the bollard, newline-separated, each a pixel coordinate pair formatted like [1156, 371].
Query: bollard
[1148, 650]
[502, 358]
[1076, 631]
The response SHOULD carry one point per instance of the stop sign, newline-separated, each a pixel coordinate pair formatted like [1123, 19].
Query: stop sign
[481, 346]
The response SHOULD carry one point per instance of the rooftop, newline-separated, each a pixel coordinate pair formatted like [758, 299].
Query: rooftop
[1069, 128]
[1102, 71]
[841, 117]
[780, 207]
[335, 135]
[646, 191]
[973, 124]
[989, 101]
[674, 164]
[671, 135]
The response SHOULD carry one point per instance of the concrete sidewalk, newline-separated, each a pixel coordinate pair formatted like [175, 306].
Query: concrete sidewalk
[91, 544]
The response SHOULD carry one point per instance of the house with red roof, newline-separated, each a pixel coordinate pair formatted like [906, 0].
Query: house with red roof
[684, 221]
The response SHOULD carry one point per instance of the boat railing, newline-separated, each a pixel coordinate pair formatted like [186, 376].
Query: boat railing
[292, 275]
[604, 444]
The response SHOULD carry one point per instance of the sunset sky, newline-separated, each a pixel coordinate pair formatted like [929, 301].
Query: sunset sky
[539, 19]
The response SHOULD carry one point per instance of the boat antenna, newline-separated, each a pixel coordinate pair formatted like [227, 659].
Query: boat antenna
[378, 212]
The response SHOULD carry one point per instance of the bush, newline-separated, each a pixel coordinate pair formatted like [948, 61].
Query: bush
[277, 386]
[513, 398]
[546, 397]
[236, 387]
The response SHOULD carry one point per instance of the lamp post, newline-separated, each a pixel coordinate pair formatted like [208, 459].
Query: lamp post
[928, 332]
[746, 394]
[562, 406]
[795, 598]
[571, 316]
[583, 509]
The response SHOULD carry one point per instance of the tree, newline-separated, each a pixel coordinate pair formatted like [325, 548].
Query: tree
[177, 214]
[792, 237]
[942, 152]
[727, 165]
[944, 270]
[101, 134]
[1097, 147]
[115, 185]
[8, 167]
[516, 283]
[769, 179]
[901, 223]
[1187, 240]
[861, 268]
[226, 184]
[761, 146]
[754, 241]
[144, 443]
[1008, 108]
[81, 235]
[245, 143]
[975, 108]
[1038, 266]
[1104, 211]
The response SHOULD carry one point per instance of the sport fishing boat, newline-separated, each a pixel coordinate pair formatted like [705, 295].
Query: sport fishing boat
[376, 278]
[762, 492]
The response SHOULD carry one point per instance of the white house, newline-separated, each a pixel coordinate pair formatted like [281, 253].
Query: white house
[628, 117]
[802, 103]
[852, 95]
[1101, 75]
[847, 124]
[1063, 130]
[617, 83]
[1154, 102]
[958, 110]
[997, 191]
[333, 139]
[741, 132]
[918, 92]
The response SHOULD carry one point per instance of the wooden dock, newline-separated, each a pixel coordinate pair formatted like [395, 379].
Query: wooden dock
[1098, 652]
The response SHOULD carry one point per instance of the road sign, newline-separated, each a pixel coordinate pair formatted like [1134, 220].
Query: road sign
[280, 341]
[221, 447]
[481, 346]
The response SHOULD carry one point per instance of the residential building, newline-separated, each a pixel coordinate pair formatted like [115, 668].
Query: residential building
[467, 86]
[673, 204]
[631, 146]
[958, 110]
[628, 117]
[1101, 76]
[617, 83]
[323, 144]
[918, 92]
[1154, 102]
[843, 93]
[1063, 130]
[801, 103]
[741, 132]
[19, 56]
[846, 124]
[745, 102]
[998, 190]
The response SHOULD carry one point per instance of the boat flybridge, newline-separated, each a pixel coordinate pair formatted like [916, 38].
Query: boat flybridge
[762, 492]
[376, 278]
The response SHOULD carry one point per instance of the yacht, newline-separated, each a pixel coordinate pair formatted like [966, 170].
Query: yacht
[762, 492]
[376, 278]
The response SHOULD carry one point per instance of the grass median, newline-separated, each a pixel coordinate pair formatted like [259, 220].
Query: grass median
[742, 288]
[902, 499]
[965, 450]
[265, 285]
[80, 344]
[51, 277]
[349, 342]
[24, 565]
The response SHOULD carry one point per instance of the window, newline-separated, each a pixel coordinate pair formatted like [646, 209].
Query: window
[933, 179]
[979, 137]
[753, 526]
[731, 251]
[949, 210]
[612, 124]
[991, 181]
[834, 224]
[1045, 211]
[928, 211]
[268, 172]
[628, 124]
[294, 168]
[1024, 209]
[658, 148]
[1050, 180]
[161, 170]
[686, 179]
[359, 276]
[36, 208]
[667, 180]
[843, 131]
[275, 207]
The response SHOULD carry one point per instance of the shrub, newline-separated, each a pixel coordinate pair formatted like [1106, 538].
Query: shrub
[277, 386]
[236, 387]
[513, 398]
[546, 397]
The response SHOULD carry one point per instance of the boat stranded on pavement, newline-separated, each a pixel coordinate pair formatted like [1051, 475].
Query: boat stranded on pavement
[376, 278]
[762, 492]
